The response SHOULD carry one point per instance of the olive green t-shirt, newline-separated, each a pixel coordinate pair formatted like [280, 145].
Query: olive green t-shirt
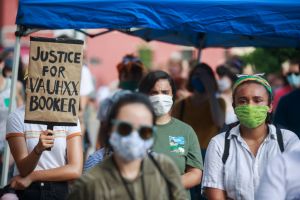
[179, 141]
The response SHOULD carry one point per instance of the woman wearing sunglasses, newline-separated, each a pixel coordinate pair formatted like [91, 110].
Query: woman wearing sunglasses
[174, 138]
[235, 159]
[129, 173]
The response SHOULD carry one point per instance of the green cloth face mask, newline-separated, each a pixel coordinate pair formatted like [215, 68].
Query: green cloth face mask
[129, 85]
[251, 116]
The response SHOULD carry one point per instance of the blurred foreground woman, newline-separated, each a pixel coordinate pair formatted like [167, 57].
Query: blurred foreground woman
[130, 173]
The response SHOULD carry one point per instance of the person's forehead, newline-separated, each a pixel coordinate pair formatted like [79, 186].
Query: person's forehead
[225, 76]
[162, 84]
[136, 113]
[294, 68]
[251, 88]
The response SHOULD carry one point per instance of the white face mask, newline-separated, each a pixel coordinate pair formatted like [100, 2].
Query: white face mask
[130, 147]
[162, 104]
[224, 84]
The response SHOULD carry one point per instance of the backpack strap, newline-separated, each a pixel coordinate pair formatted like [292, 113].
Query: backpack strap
[181, 111]
[169, 184]
[227, 141]
[226, 147]
[279, 139]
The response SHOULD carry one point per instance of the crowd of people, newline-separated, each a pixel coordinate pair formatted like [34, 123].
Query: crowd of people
[216, 137]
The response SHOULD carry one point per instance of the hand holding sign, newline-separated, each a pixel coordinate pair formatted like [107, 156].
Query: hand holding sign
[46, 141]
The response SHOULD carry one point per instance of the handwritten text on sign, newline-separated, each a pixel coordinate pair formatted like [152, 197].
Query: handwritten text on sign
[54, 81]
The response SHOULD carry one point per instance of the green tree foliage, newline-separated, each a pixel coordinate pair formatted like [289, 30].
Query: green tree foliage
[270, 60]
[146, 55]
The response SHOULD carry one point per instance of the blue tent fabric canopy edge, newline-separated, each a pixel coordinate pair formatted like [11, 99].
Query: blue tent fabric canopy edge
[242, 23]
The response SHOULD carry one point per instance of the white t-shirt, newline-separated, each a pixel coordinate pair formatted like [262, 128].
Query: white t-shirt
[57, 157]
[281, 178]
[240, 176]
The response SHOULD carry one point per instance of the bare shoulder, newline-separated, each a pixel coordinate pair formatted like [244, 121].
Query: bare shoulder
[19, 85]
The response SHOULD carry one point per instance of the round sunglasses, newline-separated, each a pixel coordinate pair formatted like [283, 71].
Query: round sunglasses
[126, 128]
[295, 73]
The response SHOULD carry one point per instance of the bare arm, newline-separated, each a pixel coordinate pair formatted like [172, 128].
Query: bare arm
[83, 102]
[20, 94]
[215, 194]
[191, 178]
[26, 162]
[70, 171]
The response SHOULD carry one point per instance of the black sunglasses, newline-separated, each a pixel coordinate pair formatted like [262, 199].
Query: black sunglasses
[125, 129]
[296, 73]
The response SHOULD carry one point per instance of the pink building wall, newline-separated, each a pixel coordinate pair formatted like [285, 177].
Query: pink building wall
[8, 12]
[111, 47]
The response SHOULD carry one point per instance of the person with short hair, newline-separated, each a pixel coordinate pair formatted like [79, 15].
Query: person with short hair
[291, 77]
[174, 137]
[131, 70]
[235, 159]
[288, 109]
[131, 173]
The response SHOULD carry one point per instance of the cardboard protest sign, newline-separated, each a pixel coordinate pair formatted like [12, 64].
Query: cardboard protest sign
[53, 84]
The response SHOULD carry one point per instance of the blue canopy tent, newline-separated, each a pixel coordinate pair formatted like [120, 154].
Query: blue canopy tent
[203, 40]
[199, 23]
[218, 23]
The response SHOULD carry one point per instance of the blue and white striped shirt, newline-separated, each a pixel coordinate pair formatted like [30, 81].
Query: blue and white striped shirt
[94, 159]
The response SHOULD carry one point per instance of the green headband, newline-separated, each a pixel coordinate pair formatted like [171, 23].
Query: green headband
[256, 78]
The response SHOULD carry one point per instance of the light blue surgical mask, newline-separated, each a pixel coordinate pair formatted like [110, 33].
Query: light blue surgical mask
[294, 80]
[131, 147]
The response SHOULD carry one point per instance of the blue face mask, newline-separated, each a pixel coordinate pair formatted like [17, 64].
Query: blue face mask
[198, 85]
[294, 80]
[130, 147]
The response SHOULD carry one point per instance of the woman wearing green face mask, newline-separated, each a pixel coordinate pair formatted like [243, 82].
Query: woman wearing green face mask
[236, 158]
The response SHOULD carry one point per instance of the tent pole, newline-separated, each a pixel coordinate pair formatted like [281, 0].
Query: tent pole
[12, 106]
[201, 46]
[199, 55]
